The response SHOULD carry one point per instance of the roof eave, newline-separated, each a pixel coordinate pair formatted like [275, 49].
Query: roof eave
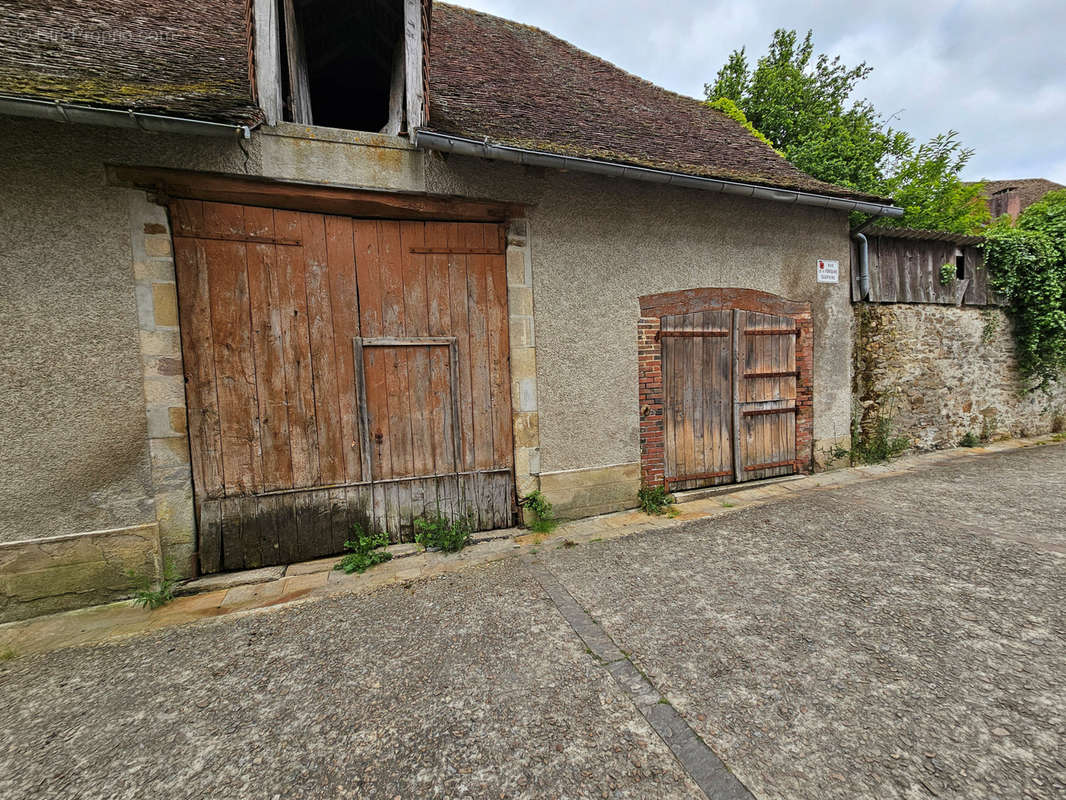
[449, 143]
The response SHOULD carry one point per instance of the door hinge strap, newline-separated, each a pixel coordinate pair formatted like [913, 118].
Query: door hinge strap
[693, 334]
[771, 465]
[756, 412]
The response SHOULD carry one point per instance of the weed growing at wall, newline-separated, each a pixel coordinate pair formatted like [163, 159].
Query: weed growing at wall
[544, 520]
[872, 444]
[444, 534]
[365, 551]
[153, 594]
[1027, 265]
[655, 499]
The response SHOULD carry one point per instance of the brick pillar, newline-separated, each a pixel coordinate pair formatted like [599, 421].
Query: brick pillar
[524, 415]
[805, 393]
[650, 381]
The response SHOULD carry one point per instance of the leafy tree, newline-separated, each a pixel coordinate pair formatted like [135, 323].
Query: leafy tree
[803, 105]
[925, 183]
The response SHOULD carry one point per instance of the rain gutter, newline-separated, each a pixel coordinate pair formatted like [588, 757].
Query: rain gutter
[59, 111]
[447, 143]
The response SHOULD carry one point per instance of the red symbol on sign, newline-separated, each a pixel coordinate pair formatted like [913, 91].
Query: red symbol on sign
[821, 265]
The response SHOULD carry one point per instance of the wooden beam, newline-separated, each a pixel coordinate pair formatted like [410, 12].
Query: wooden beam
[346, 201]
[395, 123]
[299, 84]
[412, 37]
[267, 59]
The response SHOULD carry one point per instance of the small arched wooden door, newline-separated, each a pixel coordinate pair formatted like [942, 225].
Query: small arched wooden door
[729, 390]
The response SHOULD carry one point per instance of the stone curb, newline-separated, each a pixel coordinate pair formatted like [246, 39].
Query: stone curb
[313, 580]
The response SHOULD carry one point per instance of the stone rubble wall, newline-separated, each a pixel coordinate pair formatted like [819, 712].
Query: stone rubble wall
[939, 372]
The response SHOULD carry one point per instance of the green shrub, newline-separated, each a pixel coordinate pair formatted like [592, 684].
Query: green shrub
[438, 531]
[544, 520]
[655, 499]
[365, 550]
[970, 439]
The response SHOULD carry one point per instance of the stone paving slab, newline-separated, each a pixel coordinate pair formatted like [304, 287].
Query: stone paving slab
[889, 639]
[466, 686]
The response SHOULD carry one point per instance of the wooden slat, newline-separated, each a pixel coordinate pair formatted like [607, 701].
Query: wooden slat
[480, 378]
[323, 351]
[251, 532]
[397, 432]
[270, 531]
[296, 347]
[210, 536]
[343, 295]
[234, 364]
[299, 83]
[438, 297]
[232, 543]
[499, 354]
[269, 357]
[194, 309]
[416, 324]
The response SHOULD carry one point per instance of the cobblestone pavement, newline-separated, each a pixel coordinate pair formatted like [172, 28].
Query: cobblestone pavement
[897, 638]
[903, 637]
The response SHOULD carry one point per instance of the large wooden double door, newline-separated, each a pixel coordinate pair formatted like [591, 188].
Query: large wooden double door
[729, 385]
[339, 371]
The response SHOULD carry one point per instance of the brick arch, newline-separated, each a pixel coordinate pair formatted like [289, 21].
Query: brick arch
[654, 307]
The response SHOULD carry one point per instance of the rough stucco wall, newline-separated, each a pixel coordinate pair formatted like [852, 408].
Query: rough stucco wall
[72, 418]
[940, 372]
[598, 244]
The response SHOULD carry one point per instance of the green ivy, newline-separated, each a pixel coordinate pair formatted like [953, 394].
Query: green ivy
[1027, 265]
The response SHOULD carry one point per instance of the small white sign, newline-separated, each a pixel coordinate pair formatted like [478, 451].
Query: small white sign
[828, 271]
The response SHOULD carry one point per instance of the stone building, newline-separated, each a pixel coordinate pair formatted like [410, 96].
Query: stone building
[268, 273]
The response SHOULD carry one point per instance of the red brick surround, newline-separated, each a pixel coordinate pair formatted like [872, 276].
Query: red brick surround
[649, 366]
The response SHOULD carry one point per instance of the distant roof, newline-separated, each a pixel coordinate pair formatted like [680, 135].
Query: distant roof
[178, 59]
[887, 231]
[512, 84]
[1029, 189]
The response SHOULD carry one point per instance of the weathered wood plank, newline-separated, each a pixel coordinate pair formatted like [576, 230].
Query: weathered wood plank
[268, 354]
[194, 310]
[299, 83]
[234, 365]
[499, 352]
[343, 296]
[251, 532]
[323, 350]
[481, 386]
[416, 324]
[296, 346]
[210, 536]
[232, 543]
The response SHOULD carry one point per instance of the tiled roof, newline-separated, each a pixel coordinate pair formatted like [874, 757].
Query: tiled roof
[512, 84]
[178, 59]
[1029, 189]
[927, 236]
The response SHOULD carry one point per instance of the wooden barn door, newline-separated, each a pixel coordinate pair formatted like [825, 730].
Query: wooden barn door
[285, 316]
[764, 391]
[729, 381]
[697, 365]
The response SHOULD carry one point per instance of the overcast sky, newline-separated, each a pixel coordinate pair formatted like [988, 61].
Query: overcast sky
[993, 70]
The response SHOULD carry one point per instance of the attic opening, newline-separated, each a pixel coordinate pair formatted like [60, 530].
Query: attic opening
[960, 265]
[342, 63]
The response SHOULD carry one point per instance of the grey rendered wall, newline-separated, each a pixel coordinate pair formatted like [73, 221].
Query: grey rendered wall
[598, 244]
[72, 418]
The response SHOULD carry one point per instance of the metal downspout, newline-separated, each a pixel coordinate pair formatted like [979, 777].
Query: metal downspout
[864, 265]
